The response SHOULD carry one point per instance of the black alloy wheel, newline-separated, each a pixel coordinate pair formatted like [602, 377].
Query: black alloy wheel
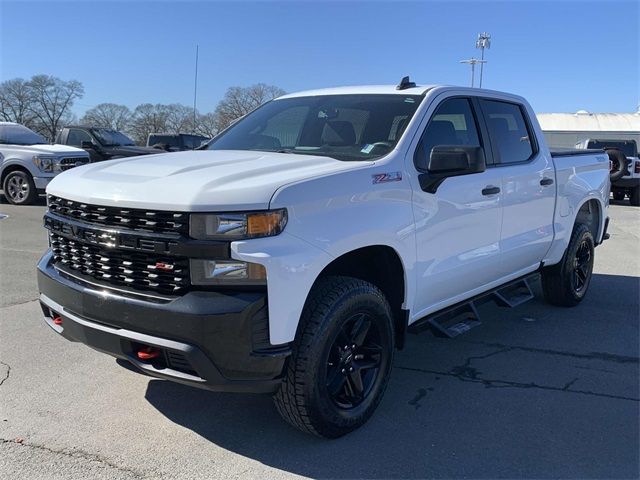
[353, 366]
[582, 267]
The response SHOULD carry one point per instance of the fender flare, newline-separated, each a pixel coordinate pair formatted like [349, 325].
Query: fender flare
[593, 196]
[10, 162]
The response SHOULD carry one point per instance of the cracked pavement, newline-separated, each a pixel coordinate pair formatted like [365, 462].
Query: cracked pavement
[534, 392]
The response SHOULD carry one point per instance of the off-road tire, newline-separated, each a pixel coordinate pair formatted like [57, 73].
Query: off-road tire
[634, 196]
[558, 281]
[23, 180]
[620, 164]
[303, 399]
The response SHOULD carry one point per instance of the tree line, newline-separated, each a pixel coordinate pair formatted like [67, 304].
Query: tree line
[44, 103]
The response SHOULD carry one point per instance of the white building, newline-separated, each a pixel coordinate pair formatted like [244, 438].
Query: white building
[567, 129]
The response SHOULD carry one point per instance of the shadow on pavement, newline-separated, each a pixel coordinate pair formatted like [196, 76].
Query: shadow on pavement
[446, 424]
[41, 200]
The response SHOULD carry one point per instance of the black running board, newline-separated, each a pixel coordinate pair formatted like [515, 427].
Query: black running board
[462, 317]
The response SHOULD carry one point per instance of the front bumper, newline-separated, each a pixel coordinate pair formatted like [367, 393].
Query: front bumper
[42, 182]
[213, 340]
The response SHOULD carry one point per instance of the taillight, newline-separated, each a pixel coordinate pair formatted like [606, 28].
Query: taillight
[637, 167]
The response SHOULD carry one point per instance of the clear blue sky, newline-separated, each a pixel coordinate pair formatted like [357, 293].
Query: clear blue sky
[562, 55]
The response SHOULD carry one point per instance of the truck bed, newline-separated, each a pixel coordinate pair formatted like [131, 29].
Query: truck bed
[569, 152]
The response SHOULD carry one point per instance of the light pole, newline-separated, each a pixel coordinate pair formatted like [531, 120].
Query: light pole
[484, 41]
[473, 61]
[195, 91]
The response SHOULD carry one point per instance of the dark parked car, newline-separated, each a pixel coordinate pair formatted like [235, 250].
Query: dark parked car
[175, 142]
[101, 143]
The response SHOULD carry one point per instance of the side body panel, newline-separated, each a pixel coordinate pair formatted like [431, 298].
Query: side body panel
[580, 179]
[329, 217]
[334, 214]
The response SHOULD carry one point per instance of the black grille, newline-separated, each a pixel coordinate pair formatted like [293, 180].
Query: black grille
[118, 218]
[70, 162]
[122, 268]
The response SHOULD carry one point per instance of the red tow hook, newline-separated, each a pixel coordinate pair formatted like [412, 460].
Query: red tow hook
[148, 353]
[57, 320]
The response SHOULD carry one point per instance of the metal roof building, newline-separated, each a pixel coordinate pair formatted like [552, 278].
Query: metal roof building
[567, 129]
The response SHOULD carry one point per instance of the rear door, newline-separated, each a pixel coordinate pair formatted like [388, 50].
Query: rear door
[458, 226]
[528, 185]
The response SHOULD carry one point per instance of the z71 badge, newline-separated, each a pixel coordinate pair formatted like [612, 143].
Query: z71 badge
[386, 177]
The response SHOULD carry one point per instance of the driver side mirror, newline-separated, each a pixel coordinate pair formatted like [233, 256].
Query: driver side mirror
[87, 145]
[451, 161]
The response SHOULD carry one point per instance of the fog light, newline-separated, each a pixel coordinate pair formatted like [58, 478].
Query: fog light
[226, 272]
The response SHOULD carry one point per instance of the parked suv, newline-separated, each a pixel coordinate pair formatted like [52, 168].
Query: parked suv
[175, 142]
[293, 254]
[28, 162]
[101, 143]
[625, 167]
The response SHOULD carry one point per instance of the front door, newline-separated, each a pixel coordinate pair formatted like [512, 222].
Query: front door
[458, 226]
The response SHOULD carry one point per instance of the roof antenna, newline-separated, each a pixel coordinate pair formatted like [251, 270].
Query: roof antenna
[405, 83]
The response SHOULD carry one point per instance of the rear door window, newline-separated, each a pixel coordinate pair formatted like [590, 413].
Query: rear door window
[508, 130]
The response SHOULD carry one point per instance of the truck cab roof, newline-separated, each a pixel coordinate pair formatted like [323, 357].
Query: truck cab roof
[362, 89]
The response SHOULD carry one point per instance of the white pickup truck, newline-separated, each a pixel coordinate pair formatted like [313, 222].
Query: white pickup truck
[292, 256]
[28, 163]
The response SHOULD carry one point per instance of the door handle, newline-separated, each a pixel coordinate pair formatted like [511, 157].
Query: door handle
[490, 190]
[546, 181]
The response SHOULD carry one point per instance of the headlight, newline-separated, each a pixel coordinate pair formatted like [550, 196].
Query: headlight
[226, 272]
[237, 226]
[47, 164]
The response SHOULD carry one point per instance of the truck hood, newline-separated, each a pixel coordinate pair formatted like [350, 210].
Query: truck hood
[45, 150]
[192, 181]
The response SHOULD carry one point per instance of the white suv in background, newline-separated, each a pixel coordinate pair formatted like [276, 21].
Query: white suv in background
[28, 162]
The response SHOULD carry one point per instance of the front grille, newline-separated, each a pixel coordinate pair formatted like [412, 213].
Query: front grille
[70, 162]
[122, 268]
[118, 217]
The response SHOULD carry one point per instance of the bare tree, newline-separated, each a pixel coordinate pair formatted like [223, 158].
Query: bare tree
[108, 115]
[179, 118]
[208, 125]
[148, 118]
[52, 100]
[239, 101]
[16, 102]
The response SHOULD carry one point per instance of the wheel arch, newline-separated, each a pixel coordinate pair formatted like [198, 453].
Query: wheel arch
[11, 166]
[382, 266]
[590, 213]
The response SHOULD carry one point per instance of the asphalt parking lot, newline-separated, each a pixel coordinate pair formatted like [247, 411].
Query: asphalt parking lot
[535, 392]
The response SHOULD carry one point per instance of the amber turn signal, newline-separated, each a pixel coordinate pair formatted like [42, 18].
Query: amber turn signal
[266, 224]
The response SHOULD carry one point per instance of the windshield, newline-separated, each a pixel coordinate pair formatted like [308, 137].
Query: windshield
[19, 135]
[111, 138]
[345, 127]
